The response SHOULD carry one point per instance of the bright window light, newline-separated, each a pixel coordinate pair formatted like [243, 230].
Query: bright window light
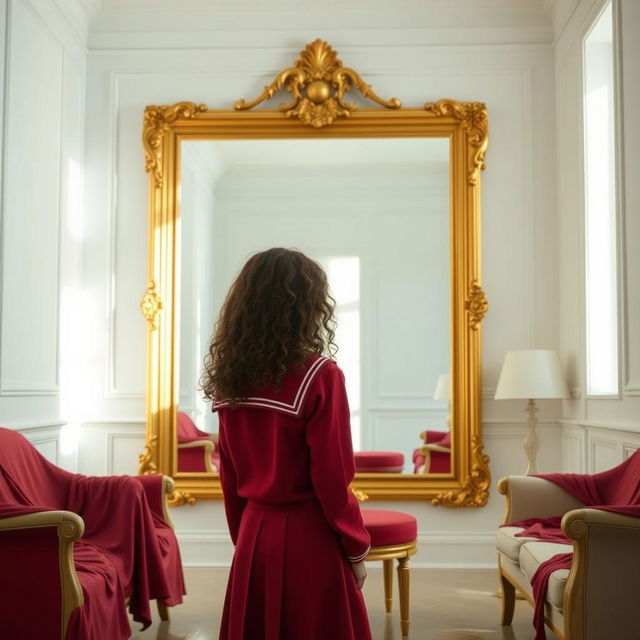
[343, 273]
[600, 209]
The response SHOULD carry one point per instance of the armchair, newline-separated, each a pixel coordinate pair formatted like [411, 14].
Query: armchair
[596, 597]
[74, 549]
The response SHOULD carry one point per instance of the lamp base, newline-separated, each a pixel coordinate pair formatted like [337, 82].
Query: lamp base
[530, 443]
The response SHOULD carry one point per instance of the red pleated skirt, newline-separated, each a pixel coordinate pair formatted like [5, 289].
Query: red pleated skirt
[290, 579]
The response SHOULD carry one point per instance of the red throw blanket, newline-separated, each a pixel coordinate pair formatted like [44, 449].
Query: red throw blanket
[616, 490]
[127, 549]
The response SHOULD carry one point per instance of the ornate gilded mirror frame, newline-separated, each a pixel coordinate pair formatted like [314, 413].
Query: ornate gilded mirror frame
[317, 83]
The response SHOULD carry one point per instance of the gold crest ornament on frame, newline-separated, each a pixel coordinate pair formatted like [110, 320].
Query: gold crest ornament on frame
[318, 84]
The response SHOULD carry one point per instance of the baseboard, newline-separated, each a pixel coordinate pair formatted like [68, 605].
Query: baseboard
[436, 550]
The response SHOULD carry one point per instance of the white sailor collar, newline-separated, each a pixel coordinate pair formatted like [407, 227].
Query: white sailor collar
[290, 398]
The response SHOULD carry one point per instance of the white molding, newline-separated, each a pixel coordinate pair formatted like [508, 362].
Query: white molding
[610, 426]
[103, 422]
[529, 236]
[111, 390]
[561, 13]
[111, 437]
[35, 427]
[8, 389]
[603, 443]
[216, 548]
[17, 389]
[517, 428]
[77, 16]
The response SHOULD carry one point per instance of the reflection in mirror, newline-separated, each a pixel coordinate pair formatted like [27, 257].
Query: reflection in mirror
[375, 214]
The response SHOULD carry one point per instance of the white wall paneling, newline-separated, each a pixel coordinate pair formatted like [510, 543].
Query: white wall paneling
[604, 453]
[110, 447]
[46, 439]
[43, 92]
[609, 426]
[627, 23]
[30, 251]
[574, 454]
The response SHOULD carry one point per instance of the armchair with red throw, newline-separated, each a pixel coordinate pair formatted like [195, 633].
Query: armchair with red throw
[197, 450]
[569, 546]
[435, 455]
[74, 549]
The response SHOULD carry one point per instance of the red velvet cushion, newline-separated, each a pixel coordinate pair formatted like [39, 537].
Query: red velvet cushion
[371, 461]
[389, 527]
[443, 438]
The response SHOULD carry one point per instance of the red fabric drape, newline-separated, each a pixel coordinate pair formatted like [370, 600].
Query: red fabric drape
[616, 490]
[127, 550]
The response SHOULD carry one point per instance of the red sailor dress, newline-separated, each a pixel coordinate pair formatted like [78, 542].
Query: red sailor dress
[286, 463]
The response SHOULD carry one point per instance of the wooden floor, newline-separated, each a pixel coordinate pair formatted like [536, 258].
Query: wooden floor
[446, 604]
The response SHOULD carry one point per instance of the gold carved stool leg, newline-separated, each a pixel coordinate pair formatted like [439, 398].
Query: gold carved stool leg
[403, 584]
[387, 566]
[388, 584]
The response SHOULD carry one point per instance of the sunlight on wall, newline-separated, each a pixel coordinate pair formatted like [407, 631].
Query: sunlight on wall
[73, 382]
[72, 319]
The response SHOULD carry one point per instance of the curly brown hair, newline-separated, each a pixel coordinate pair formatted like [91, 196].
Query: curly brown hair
[277, 313]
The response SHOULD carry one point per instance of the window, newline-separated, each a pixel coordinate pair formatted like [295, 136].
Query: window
[600, 209]
[343, 274]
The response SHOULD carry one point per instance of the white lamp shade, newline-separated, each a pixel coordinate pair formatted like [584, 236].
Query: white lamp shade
[531, 374]
[443, 387]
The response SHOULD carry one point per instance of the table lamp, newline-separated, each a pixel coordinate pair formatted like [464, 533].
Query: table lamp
[531, 374]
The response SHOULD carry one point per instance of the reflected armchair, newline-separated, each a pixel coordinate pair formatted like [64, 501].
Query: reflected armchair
[435, 455]
[196, 448]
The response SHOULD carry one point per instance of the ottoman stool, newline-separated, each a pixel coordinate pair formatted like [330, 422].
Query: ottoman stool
[393, 536]
[379, 462]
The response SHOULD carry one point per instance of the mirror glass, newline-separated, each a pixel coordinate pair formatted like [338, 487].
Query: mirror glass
[375, 213]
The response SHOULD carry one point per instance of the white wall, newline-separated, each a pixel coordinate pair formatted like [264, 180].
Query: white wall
[598, 433]
[135, 62]
[43, 58]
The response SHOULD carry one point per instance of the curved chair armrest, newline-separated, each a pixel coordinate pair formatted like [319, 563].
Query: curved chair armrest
[157, 488]
[208, 448]
[434, 447]
[206, 443]
[70, 527]
[168, 487]
[600, 598]
[426, 450]
[575, 522]
[531, 497]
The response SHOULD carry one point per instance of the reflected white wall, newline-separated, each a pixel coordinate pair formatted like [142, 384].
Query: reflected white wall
[380, 230]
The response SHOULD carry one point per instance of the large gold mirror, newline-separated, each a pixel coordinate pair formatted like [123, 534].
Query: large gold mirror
[387, 199]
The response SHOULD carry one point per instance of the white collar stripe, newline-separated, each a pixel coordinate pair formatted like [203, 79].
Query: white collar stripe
[293, 409]
[306, 381]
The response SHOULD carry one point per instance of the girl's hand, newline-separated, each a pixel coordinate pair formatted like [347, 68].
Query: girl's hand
[360, 572]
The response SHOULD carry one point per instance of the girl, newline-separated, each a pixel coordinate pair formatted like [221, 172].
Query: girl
[286, 459]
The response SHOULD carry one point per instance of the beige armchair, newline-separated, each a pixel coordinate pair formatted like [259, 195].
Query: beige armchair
[597, 599]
